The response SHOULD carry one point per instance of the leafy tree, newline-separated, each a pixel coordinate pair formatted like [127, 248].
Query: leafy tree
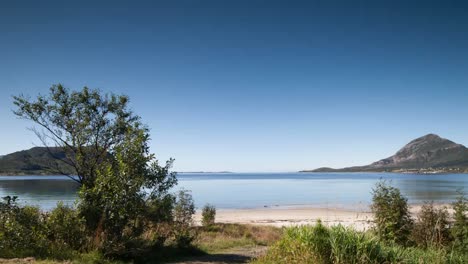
[391, 213]
[86, 124]
[107, 146]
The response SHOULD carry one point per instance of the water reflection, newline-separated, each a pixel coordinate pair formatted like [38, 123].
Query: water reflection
[42, 192]
[438, 188]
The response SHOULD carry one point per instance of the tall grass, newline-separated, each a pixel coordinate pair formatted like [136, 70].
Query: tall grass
[220, 237]
[323, 245]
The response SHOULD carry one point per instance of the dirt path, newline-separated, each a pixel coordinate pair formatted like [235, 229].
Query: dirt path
[236, 255]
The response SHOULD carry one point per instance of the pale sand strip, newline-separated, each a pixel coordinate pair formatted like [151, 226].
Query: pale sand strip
[283, 216]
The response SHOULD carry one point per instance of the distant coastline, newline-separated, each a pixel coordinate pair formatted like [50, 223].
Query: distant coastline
[195, 172]
[399, 170]
[30, 174]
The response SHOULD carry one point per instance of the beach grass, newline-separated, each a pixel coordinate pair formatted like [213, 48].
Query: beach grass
[221, 237]
[323, 245]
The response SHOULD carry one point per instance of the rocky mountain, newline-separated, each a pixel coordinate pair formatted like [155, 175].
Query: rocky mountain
[35, 161]
[427, 153]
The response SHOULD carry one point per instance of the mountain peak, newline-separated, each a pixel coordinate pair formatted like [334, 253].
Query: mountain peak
[429, 139]
[430, 136]
[427, 143]
[426, 151]
[429, 151]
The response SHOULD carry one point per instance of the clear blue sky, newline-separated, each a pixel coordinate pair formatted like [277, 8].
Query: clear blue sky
[250, 85]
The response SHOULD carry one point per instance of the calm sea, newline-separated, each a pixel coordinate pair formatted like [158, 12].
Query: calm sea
[258, 190]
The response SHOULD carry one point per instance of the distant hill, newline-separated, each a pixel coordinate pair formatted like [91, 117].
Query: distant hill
[35, 161]
[429, 153]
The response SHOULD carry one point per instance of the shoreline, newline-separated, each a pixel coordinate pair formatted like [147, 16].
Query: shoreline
[357, 218]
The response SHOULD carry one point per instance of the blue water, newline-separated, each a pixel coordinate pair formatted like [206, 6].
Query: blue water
[256, 190]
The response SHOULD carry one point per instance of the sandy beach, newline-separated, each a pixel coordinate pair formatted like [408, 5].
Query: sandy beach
[359, 218]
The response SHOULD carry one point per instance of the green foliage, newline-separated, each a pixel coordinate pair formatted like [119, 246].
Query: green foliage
[184, 210]
[460, 225]
[208, 215]
[432, 227]
[414, 255]
[123, 193]
[392, 218]
[86, 125]
[349, 246]
[123, 190]
[22, 230]
[319, 244]
[339, 245]
[65, 228]
[26, 231]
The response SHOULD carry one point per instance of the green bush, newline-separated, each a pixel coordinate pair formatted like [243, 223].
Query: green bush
[22, 230]
[208, 215]
[65, 228]
[459, 229]
[432, 227]
[184, 210]
[392, 217]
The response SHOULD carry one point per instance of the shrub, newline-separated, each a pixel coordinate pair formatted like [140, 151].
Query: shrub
[22, 230]
[116, 204]
[65, 228]
[432, 227]
[183, 219]
[391, 214]
[460, 226]
[208, 215]
[159, 215]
